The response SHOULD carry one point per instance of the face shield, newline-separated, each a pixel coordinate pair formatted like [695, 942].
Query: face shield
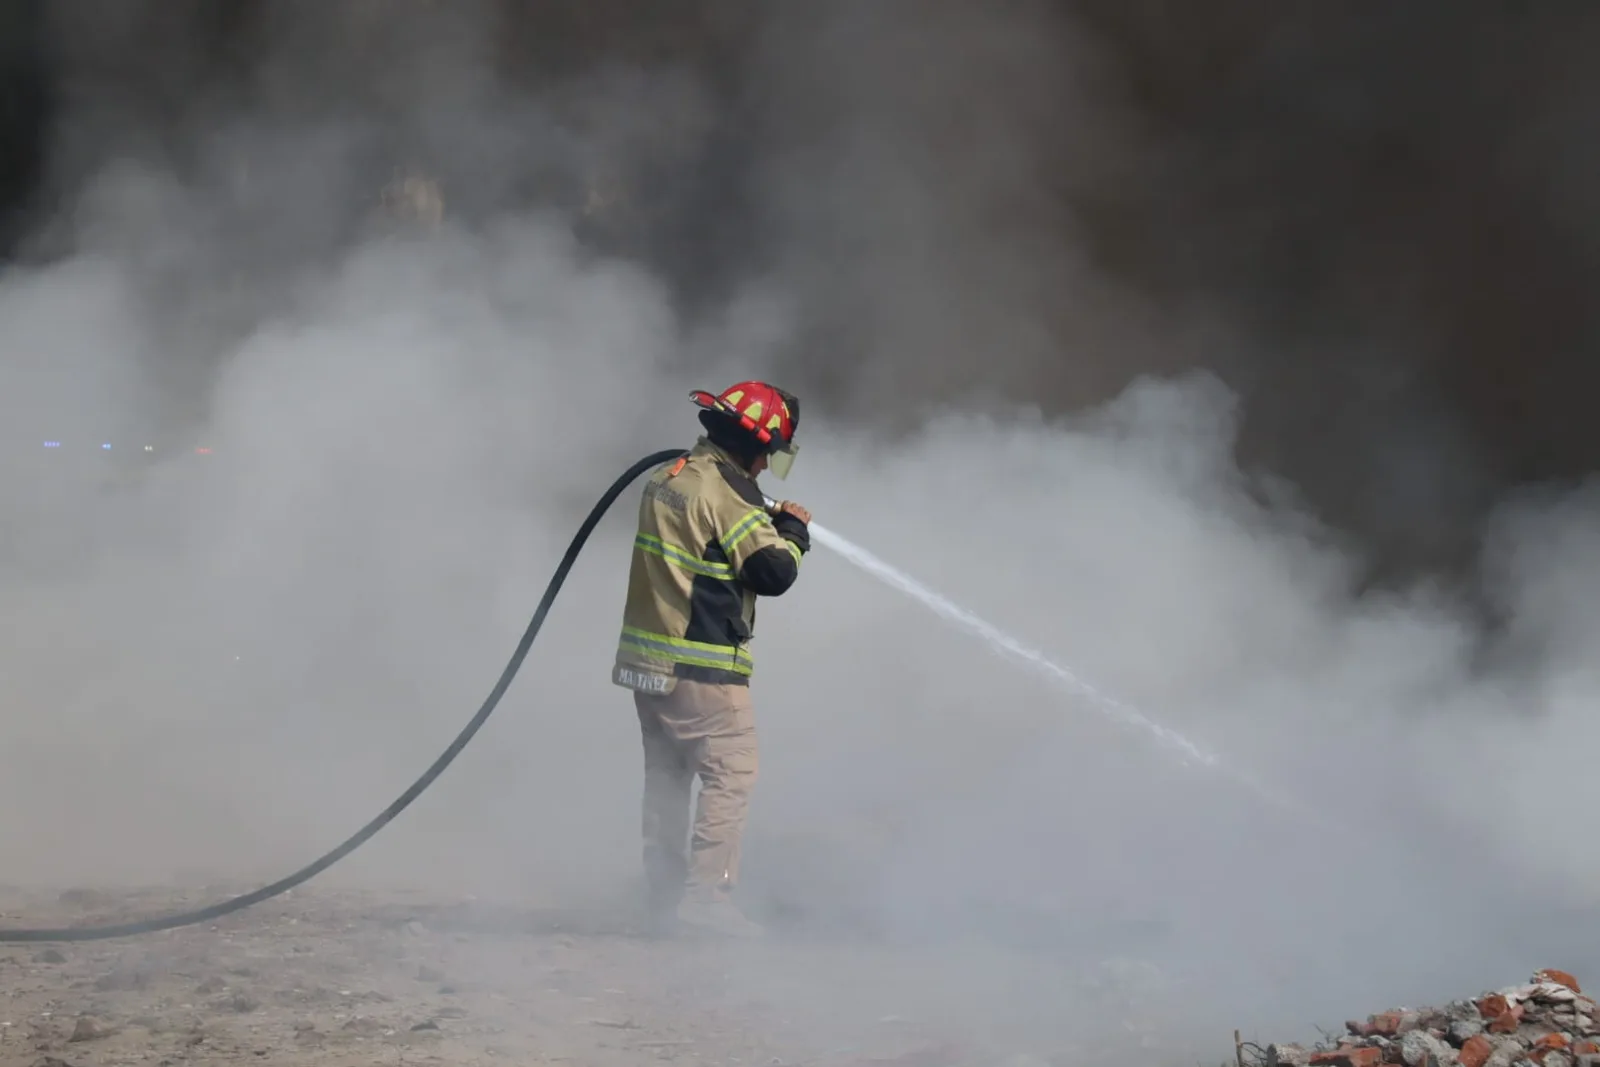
[780, 463]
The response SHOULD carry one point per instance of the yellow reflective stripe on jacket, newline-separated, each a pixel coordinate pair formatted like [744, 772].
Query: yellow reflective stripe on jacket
[742, 529]
[794, 550]
[673, 554]
[679, 650]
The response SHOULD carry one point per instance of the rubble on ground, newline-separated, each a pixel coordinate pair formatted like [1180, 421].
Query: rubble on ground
[1548, 1022]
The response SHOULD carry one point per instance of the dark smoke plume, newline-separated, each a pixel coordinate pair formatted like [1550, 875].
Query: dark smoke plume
[1373, 223]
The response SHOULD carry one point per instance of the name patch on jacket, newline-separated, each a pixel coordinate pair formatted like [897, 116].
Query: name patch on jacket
[645, 681]
[663, 493]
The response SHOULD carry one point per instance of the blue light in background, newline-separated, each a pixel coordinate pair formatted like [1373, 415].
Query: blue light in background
[106, 447]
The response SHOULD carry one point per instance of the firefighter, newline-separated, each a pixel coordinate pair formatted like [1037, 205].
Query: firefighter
[707, 547]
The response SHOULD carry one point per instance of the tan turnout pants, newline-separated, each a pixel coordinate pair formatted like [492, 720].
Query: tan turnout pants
[709, 730]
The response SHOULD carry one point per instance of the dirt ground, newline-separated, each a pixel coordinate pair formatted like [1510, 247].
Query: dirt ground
[338, 978]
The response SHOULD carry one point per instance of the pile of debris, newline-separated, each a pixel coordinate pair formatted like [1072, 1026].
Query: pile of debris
[1546, 1023]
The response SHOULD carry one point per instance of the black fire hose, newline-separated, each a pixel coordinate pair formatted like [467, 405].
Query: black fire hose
[403, 801]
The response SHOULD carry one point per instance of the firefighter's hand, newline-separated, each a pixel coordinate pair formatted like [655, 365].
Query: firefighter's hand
[789, 507]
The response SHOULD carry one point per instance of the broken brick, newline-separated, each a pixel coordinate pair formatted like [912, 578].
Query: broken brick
[1559, 978]
[1521, 1026]
[1348, 1056]
[1421, 1049]
[1545, 1045]
[1383, 1024]
[1493, 1006]
[1475, 1051]
[1506, 1022]
[1288, 1056]
[1391, 1023]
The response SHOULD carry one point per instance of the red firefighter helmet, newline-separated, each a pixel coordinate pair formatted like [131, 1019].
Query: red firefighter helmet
[764, 412]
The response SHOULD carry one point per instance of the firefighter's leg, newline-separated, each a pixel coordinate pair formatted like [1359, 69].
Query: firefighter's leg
[716, 725]
[727, 760]
[668, 788]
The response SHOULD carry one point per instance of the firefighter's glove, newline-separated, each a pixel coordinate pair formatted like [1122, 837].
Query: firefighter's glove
[790, 520]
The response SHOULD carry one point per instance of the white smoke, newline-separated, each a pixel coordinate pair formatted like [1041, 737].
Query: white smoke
[222, 664]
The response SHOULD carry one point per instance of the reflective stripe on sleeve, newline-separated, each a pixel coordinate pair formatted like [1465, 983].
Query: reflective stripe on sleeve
[742, 529]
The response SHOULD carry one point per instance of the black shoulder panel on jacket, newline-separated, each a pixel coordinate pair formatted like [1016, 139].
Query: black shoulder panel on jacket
[770, 572]
[742, 484]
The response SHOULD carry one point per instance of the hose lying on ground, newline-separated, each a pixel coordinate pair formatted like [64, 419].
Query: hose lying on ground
[403, 801]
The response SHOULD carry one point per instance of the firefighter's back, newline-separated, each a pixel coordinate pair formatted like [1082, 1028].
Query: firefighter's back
[683, 509]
